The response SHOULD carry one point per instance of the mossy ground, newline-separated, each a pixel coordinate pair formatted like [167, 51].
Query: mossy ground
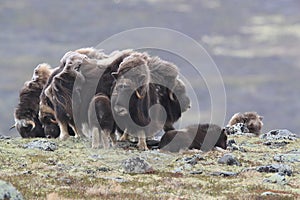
[75, 171]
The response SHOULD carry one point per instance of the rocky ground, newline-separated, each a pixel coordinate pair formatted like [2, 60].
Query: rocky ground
[266, 167]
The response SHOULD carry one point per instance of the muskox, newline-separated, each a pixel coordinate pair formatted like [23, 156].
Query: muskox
[251, 120]
[47, 113]
[199, 136]
[133, 96]
[101, 121]
[60, 92]
[26, 113]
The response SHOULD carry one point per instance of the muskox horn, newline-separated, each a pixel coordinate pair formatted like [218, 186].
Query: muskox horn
[31, 123]
[53, 121]
[13, 126]
[171, 96]
[138, 94]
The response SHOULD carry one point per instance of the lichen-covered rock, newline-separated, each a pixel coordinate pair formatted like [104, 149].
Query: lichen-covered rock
[289, 157]
[278, 178]
[237, 129]
[233, 146]
[193, 160]
[8, 192]
[42, 145]
[229, 159]
[279, 134]
[285, 169]
[136, 165]
[276, 144]
[4, 137]
[224, 173]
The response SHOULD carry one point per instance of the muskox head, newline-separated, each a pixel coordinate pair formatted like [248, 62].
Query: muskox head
[252, 120]
[132, 81]
[26, 113]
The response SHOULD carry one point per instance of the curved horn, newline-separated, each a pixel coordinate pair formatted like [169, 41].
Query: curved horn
[53, 121]
[13, 126]
[138, 94]
[171, 96]
[31, 123]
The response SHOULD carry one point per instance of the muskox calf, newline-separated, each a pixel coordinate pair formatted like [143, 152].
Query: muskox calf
[251, 120]
[201, 136]
[101, 121]
[26, 113]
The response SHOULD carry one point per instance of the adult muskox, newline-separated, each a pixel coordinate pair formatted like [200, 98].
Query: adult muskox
[134, 98]
[141, 83]
[199, 136]
[47, 113]
[26, 113]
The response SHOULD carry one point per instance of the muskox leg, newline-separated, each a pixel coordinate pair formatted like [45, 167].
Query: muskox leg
[95, 138]
[105, 135]
[77, 135]
[124, 136]
[113, 138]
[64, 133]
[85, 129]
[142, 145]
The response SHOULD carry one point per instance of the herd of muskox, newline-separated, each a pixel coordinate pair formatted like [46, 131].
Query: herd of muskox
[110, 97]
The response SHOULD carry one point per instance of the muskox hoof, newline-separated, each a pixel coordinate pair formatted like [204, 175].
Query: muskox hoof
[142, 146]
[64, 136]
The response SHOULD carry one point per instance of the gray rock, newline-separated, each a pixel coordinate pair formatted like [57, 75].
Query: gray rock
[4, 137]
[229, 159]
[196, 172]
[275, 144]
[278, 178]
[136, 165]
[117, 179]
[8, 192]
[285, 169]
[194, 159]
[279, 134]
[287, 157]
[224, 173]
[42, 145]
[268, 194]
[232, 146]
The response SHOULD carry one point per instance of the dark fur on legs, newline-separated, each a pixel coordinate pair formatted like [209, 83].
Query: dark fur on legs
[101, 122]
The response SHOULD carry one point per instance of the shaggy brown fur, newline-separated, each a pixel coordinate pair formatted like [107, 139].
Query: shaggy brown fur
[132, 98]
[60, 92]
[26, 113]
[252, 120]
[201, 136]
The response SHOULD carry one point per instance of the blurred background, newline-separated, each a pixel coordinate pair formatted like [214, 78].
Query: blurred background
[254, 43]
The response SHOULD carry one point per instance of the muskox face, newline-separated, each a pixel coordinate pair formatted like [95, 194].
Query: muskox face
[132, 80]
[41, 73]
[29, 128]
[51, 130]
[253, 121]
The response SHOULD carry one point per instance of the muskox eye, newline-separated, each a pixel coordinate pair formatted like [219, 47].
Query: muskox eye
[77, 68]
